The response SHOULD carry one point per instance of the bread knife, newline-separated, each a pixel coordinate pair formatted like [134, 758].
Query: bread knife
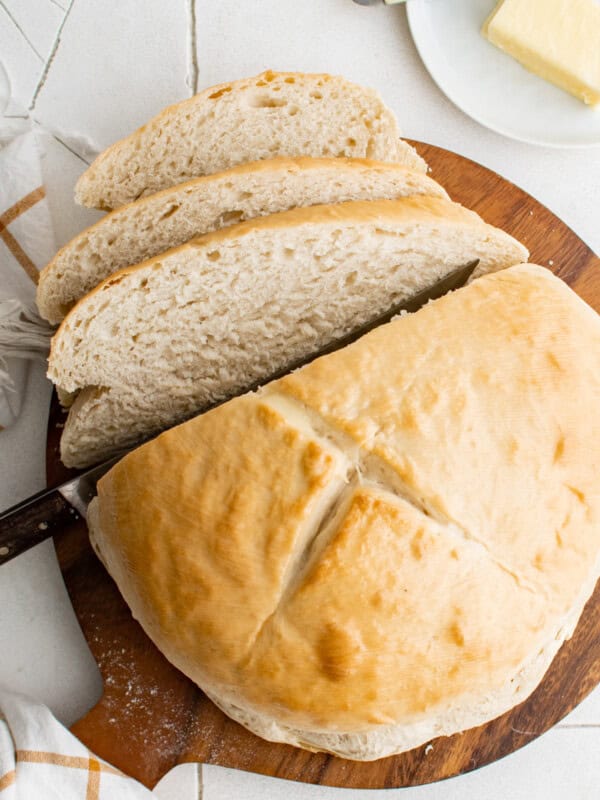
[38, 517]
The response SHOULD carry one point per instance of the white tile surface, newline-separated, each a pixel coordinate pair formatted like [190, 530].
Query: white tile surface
[28, 31]
[23, 66]
[61, 168]
[181, 783]
[37, 21]
[116, 64]
[119, 62]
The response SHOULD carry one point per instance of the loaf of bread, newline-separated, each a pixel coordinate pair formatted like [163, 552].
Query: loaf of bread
[155, 343]
[150, 226]
[273, 114]
[388, 545]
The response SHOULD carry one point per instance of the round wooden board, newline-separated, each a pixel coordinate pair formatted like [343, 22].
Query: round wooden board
[151, 717]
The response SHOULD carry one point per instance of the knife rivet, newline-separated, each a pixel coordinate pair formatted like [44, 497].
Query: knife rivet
[4, 551]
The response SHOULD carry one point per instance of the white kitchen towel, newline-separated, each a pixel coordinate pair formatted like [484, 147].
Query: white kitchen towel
[39, 758]
[26, 245]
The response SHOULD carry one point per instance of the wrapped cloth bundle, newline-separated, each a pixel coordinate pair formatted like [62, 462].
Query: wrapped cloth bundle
[27, 243]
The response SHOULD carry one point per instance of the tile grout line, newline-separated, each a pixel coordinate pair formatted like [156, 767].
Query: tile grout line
[200, 782]
[70, 149]
[573, 725]
[20, 29]
[192, 76]
[53, 52]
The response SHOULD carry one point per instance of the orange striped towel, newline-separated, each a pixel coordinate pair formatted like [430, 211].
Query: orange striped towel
[39, 759]
[26, 244]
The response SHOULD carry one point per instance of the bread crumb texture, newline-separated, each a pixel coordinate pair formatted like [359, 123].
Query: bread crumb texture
[272, 114]
[143, 229]
[155, 343]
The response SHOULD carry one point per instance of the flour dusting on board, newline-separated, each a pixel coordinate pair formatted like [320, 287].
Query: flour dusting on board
[150, 705]
[151, 708]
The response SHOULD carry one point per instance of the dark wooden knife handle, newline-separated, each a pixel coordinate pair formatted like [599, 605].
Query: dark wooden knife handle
[30, 522]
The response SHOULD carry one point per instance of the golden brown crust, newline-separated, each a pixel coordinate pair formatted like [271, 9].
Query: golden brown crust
[488, 373]
[366, 639]
[235, 557]
[455, 554]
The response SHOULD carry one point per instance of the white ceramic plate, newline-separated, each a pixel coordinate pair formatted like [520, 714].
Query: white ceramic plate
[490, 86]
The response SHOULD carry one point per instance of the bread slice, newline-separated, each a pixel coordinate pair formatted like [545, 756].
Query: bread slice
[389, 545]
[273, 114]
[169, 218]
[161, 340]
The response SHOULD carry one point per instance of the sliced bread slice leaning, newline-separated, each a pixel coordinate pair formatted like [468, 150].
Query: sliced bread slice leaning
[161, 340]
[150, 226]
[272, 114]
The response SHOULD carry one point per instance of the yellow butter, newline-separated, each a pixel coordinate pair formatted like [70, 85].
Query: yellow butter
[559, 40]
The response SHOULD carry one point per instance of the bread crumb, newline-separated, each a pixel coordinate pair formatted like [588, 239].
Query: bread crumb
[551, 263]
[428, 749]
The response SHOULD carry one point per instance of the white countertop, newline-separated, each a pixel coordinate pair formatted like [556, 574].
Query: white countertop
[90, 72]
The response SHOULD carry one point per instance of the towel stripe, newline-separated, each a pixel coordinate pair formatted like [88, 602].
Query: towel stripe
[103, 767]
[19, 254]
[22, 205]
[76, 762]
[7, 780]
[10, 215]
[93, 785]
[94, 769]
[39, 757]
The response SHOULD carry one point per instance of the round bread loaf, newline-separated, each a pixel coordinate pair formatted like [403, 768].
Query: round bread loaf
[388, 545]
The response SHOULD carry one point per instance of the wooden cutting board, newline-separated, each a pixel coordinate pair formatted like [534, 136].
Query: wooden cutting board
[151, 717]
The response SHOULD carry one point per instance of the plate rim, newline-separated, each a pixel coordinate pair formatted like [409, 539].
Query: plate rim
[411, 14]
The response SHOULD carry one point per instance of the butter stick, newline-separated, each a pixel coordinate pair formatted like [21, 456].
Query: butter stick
[559, 40]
